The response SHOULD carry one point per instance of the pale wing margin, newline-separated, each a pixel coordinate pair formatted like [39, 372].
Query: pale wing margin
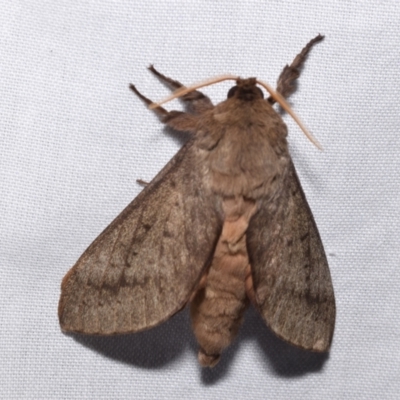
[144, 266]
[292, 282]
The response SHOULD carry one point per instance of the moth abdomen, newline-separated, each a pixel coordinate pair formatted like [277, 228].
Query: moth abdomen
[217, 308]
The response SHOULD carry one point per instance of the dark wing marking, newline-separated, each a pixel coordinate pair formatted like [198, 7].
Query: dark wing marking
[144, 266]
[291, 277]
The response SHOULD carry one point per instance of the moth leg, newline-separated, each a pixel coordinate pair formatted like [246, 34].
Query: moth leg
[141, 182]
[286, 81]
[177, 120]
[160, 111]
[171, 83]
[196, 101]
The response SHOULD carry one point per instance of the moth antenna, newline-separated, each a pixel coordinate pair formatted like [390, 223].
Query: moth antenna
[283, 103]
[184, 90]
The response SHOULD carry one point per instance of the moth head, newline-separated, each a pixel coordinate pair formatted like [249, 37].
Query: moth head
[246, 89]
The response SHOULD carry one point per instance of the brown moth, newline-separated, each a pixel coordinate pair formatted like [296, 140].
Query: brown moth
[224, 223]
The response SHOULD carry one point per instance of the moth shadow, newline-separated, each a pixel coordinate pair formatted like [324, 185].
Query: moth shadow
[154, 348]
[177, 136]
[285, 359]
[165, 343]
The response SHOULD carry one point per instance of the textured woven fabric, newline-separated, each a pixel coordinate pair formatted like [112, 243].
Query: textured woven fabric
[74, 139]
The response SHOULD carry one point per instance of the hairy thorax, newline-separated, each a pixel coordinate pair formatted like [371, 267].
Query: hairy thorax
[246, 149]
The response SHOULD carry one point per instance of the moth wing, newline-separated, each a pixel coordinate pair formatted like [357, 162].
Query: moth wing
[291, 278]
[144, 266]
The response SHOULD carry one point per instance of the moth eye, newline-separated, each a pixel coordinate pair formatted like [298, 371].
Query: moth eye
[232, 91]
[261, 92]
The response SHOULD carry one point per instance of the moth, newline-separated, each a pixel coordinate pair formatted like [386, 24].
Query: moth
[224, 224]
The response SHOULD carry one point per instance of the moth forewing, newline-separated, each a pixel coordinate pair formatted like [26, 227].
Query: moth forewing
[291, 277]
[144, 266]
[224, 222]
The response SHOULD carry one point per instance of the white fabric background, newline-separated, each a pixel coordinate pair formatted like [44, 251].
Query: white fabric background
[74, 139]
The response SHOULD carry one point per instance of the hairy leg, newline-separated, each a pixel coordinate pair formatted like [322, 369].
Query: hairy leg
[287, 79]
[196, 101]
[177, 120]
